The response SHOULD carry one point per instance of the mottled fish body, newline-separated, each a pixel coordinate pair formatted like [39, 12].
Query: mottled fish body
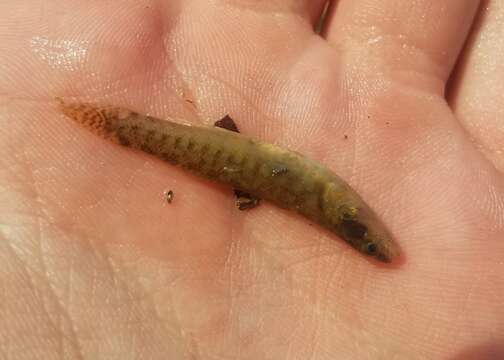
[283, 177]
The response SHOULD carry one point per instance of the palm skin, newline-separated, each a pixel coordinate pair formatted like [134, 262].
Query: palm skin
[95, 264]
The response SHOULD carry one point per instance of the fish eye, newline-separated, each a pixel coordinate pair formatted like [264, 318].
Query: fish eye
[371, 248]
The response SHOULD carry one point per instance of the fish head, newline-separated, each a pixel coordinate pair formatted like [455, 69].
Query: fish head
[354, 221]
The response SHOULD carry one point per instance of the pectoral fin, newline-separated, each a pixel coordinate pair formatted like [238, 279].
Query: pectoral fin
[244, 200]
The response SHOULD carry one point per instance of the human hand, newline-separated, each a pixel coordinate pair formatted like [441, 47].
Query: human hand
[96, 264]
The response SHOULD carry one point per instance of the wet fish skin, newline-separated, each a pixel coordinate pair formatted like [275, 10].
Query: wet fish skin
[286, 178]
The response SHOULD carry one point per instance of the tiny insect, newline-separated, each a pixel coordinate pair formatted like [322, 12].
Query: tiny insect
[259, 170]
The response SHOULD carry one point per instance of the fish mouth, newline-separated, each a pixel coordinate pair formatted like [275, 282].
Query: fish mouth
[386, 251]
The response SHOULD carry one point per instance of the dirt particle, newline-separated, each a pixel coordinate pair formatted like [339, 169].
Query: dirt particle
[169, 195]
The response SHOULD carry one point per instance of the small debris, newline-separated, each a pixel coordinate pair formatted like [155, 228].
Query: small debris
[345, 136]
[191, 102]
[169, 195]
[245, 201]
[227, 123]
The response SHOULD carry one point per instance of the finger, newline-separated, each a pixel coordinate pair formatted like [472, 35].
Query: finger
[476, 93]
[311, 9]
[314, 9]
[421, 36]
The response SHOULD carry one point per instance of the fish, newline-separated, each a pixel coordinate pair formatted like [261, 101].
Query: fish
[281, 176]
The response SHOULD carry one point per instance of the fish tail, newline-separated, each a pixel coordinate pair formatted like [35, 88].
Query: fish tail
[100, 121]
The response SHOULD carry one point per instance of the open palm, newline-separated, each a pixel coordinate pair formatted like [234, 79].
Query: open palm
[95, 263]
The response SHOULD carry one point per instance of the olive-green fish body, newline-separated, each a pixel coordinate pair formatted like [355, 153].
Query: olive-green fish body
[283, 177]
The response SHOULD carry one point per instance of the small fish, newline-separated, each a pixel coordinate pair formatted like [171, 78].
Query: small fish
[283, 177]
